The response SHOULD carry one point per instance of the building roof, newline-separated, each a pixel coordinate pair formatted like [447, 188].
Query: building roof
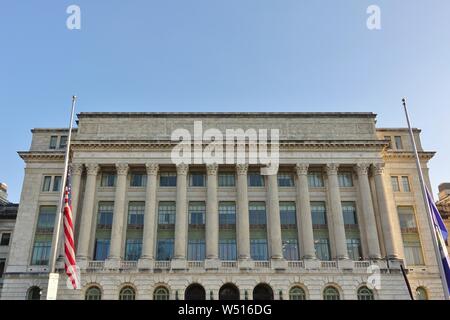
[8, 210]
[225, 114]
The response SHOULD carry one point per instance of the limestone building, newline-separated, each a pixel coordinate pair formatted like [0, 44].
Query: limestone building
[443, 205]
[342, 213]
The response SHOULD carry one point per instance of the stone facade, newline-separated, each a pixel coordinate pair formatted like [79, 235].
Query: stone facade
[326, 144]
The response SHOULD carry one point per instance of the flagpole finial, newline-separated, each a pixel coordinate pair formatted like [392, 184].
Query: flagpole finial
[74, 97]
[404, 100]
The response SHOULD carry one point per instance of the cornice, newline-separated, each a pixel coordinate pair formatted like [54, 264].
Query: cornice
[29, 156]
[423, 155]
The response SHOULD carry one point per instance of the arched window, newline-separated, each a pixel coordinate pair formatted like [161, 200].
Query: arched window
[195, 292]
[262, 292]
[365, 293]
[331, 293]
[421, 293]
[229, 292]
[34, 293]
[127, 293]
[93, 293]
[161, 293]
[297, 293]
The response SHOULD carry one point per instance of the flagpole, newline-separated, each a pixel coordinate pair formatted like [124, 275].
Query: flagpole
[427, 206]
[52, 287]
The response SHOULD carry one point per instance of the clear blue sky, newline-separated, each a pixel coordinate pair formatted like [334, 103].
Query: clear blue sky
[233, 55]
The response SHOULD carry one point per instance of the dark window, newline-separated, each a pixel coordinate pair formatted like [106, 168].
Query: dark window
[133, 249]
[63, 142]
[227, 180]
[164, 249]
[255, 179]
[287, 213]
[258, 249]
[167, 179]
[227, 213]
[2, 267]
[197, 211]
[257, 211]
[138, 180]
[47, 183]
[108, 179]
[5, 239]
[197, 180]
[105, 215]
[34, 293]
[56, 184]
[398, 143]
[101, 249]
[136, 215]
[285, 180]
[227, 249]
[53, 142]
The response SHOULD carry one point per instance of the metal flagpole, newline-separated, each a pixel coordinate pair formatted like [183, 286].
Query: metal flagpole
[427, 206]
[52, 287]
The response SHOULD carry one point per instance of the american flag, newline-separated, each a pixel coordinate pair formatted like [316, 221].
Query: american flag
[70, 264]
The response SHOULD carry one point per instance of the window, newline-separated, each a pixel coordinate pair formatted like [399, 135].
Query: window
[196, 249]
[227, 179]
[290, 249]
[133, 249]
[345, 179]
[322, 247]
[56, 184]
[105, 215]
[167, 179]
[285, 180]
[53, 142]
[127, 293]
[164, 249]
[63, 142]
[318, 214]
[2, 267]
[349, 213]
[47, 183]
[257, 211]
[395, 184]
[258, 249]
[389, 139]
[5, 239]
[93, 293]
[331, 293]
[398, 143]
[46, 219]
[41, 252]
[227, 249]
[197, 180]
[421, 293]
[405, 184]
[407, 219]
[166, 213]
[138, 180]
[354, 249]
[101, 250]
[34, 293]
[288, 214]
[161, 293]
[136, 215]
[297, 293]
[43, 236]
[315, 180]
[197, 212]
[255, 179]
[413, 252]
[108, 179]
[365, 293]
[227, 213]
[410, 236]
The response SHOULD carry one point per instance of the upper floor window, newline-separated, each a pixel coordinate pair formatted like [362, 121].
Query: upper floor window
[166, 212]
[197, 212]
[227, 213]
[285, 180]
[167, 179]
[53, 142]
[46, 218]
[288, 213]
[138, 180]
[388, 138]
[315, 179]
[395, 184]
[196, 179]
[105, 215]
[2, 267]
[255, 179]
[5, 239]
[63, 142]
[51, 183]
[365, 293]
[227, 179]
[93, 293]
[405, 184]
[56, 184]
[257, 211]
[47, 183]
[407, 219]
[108, 179]
[318, 214]
[398, 143]
[345, 179]
[349, 213]
[136, 214]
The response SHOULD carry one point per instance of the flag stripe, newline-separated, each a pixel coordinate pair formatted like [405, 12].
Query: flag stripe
[70, 264]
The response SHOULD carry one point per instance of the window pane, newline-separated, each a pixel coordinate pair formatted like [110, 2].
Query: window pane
[297, 294]
[290, 249]
[255, 179]
[322, 247]
[407, 218]
[41, 252]
[349, 213]
[164, 249]
[63, 142]
[405, 184]
[288, 213]
[345, 179]
[285, 180]
[105, 215]
[257, 211]
[46, 184]
[227, 180]
[197, 180]
[227, 249]
[318, 214]
[196, 250]
[136, 215]
[5, 239]
[46, 219]
[101, 249]
[166, 213]
[133, 249]
[227, 213]
[168, 179]
[258, 249]
[138, 180]
[413, 253]
[315, 180]
[398, 143]
[108, 179]
[395, 185]
[53, 142]
[354, 249]
[197, 211]
[57, 184]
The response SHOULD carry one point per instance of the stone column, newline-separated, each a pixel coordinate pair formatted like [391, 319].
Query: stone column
[181, 218]
[119, 217]
[274, 218]
[386, 216]
[149, 234]
[77, 170]
[243, 224]
[304, 219]
[368, 211]
[88, 212]
[336, 212]
[212, 214]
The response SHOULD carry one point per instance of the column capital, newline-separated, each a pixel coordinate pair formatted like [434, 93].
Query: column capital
[152, 168]
[242, 169]
[362, 168]
[77, 168]
[122, 168]
[182, 169]
[332, 168]
[92, 169]
[378, 169]
[211, 169]
[302, 169]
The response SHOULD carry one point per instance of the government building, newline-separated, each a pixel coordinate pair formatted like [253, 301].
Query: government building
[338, 219]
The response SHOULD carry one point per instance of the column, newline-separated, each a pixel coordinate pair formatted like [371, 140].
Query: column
[150, 213]
[88, 211]
[386, 216]
[181, 213]
[304, 214]
[243, 224]
[119, 217]
[77, 170]
[212, 213]
[336, 211]
[370, 224]
[274, 218]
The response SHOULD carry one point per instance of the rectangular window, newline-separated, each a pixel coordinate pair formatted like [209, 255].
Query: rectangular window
[410, 236]
[138, 180]
[349, 213]
[389, 139]
[168, 179]
[133, 249]
[345, 179]
[257, 212]
[405, 184]
[46, 219]
[101, 251]
[407, 219]
[288, 214]
[5, 239]
[196, 249]
[41, 252]
[105, 215]
[255, 179]
[322, 246]
[258, 249]
[290, 249]
[196, 179]
[56, 184]
[53, 142]
[315, 180]
[2, 267]
[227, 249]
[227, 179]
[285, 180]
[166, 213]
[197, 211]
[354, 249]
[47, 183]
[63, 142]
[318, 215]
[413, 253]
[136, 215]
[227, 213]
[398, 143]
[395, 185]
[164, 249]
[108, 179]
